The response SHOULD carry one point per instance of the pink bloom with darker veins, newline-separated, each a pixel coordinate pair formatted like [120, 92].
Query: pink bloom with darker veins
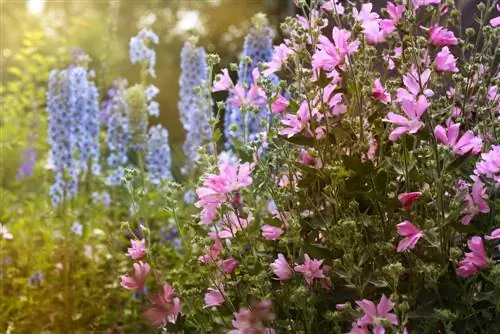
[489, 165]
[280, 55]
[410, 124]
[279, 105]
[138, 249]
[440, 36]
[445, 62]
[374, 314]
[413, 81]
[307, 159]
[333, 6]
[311, 269]
[419, 3]
[270, 232]
[233, 224]
[166, 307]
[138, 279]
[295, 124]
[222, 81]
[396, 13]
[407, 199]
[212, 252]
[328, 55]
[365, 14]
[379, 92]
[495, 234]
[214, 297]
[475, 201]
[474, 260]
[463, 145]
[411, 236]
[373, 32]
[281, 268]
[248, 321]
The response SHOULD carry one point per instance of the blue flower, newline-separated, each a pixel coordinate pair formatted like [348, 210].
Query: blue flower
[28, 160]
[140, 50]
[158, 159]
[77, 228]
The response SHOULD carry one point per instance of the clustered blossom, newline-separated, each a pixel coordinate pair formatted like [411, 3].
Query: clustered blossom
[138, 279]
[140, 50]
[138, 249]
[73, 129]
[165, 308]
[195, 108]
[158, 158]
[468, 142]
[373, 314]
[489, 165]
[475, 201]
[310, 269]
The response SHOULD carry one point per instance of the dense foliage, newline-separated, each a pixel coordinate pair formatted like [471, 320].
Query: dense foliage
[349, 182]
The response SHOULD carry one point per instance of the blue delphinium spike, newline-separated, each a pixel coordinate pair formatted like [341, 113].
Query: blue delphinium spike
[140, 50]
[194, 107]
[158, 158]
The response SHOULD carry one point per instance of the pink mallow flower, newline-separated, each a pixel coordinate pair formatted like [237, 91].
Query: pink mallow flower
[271, 232]
[253, 320]
[295, 124]
[474, 260]
[307, 159]
[489, 165]
[445, 62]
[281, 268]
[418, 3]
[333, 6]
[233, 224]
[365, 14]
[412, 81]
[495, 234]
[138, 249]
[138, 279]
[396, 13]
[165, 308]
[310, 269]
[374, 314]
[280, 55]
[411, 236]
[222, 81]
[328, 55]
[414, 111]
[407, 199]
[279, 105]
[467, 143]
[440, 36]
[213, 251]
[475, 201]
[214, 297]
[217, 188]
[379, 92]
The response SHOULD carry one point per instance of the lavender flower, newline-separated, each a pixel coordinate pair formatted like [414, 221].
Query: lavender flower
[194, 107]
[28, 160]
[140, 50]
[77, 228]
[158, 159]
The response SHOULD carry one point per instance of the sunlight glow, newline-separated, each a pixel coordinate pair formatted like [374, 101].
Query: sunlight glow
[35, 7]
[188, 20]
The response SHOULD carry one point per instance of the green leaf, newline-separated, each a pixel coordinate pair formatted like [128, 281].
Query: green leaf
[381, 180]
[16, 71]
[456, 163]
[354, 163]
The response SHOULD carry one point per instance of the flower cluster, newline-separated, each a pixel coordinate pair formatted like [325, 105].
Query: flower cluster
[158, 159]
[140, 51]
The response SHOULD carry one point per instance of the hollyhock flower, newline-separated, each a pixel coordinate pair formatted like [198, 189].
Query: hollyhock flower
[222, 81]
[489, 165]
[242, 98]
[165, 309]
[307, 159]
[475, 201]
[467, 143]
[407, 199]
[333, 100]
[212, 253]
[373, 32]
[365, 14]
[295, 124]
[412, 82]
[281, 268]
[411, 236]
[4, 233]
[138, 249]
[474, 260]
[217, 188]
[271, 232]
[252, 321]
[379, 92]
[214, 297]
[138, 279]
[445, 62]
[280, 55]
[373, 314]
[233, 224]
[333, 6]
[328, 55]
[494, 235]
[440, 36]
[279, 105]
[414, 111]
[227, 266]
[310, 269]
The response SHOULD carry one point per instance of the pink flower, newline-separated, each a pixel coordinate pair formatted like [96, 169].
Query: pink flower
[379, 92]
[165, 308]
[474, 260]
[373, 314]
[212, 253]
[494, 235]
[414, 111]
[489, 165]
[242, 98]
[445, 62]
[222, 81]
[395, 12]
[138, 279]
[307, 159]
[333, 100]
[467, 143]
[333, 6]
[252, 321]
[138, 249]
[440, 36]
[4, 233]
[475, 201]
[418, 3]
[295, 124]
[328, 55]
[279, 105]
[365, 14]
[281, 268]
[407, 199]
[310, 269]
[271, 232]
[412, 82]
[214, 297]
[373, 32]
[217, 189]
[280, 55]
[411, 236]
[233, 224]
[227, 266]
